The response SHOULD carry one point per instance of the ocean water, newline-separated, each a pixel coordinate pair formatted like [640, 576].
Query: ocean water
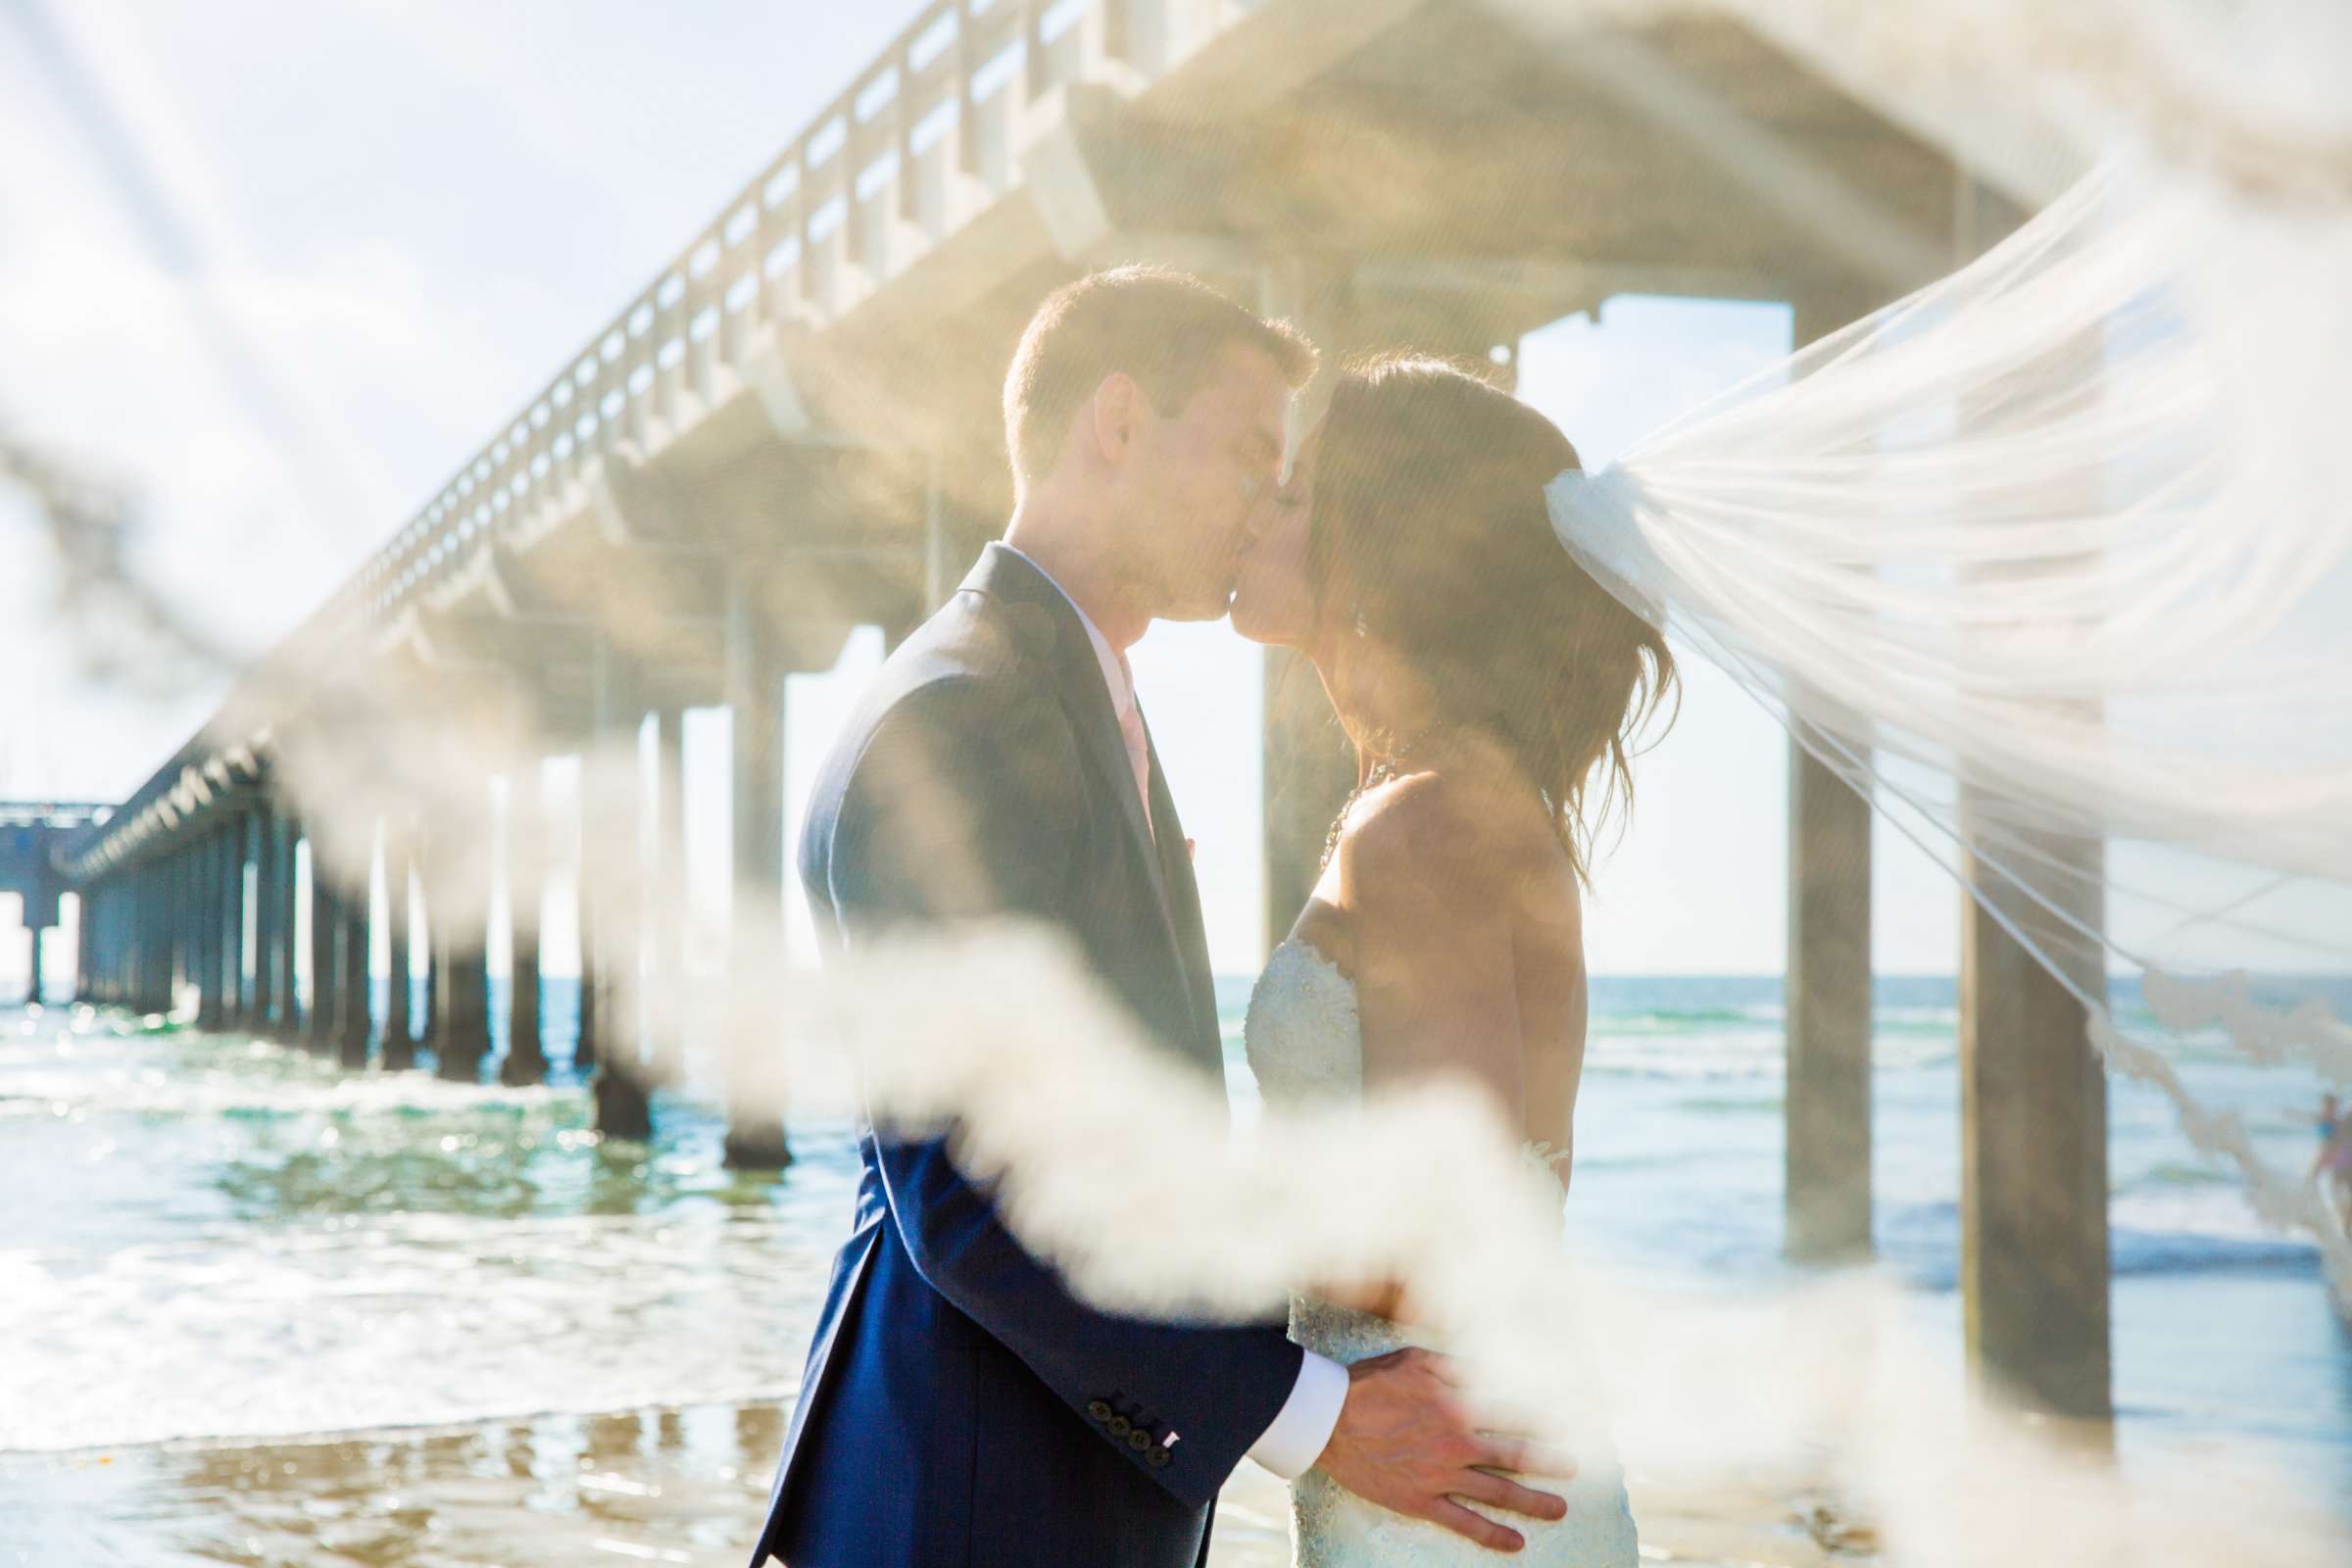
[212, 1238]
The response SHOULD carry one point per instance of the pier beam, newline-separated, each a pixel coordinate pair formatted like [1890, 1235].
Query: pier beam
[754, 1136]
[399, 1054]
[32, 981]
[525, 1061]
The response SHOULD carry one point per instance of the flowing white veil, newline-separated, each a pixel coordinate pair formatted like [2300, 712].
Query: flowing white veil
[2052, 560]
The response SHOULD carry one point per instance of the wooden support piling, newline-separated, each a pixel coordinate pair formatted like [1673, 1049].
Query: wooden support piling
[159, 937]
[610, 808]
[754, 1131]
[455, 902]
[354, 991]
[1826, 1163]
[84, 943]
[285, 894]
[525, 1061]
[231, 918]
[400, 1025]
[665, 981]
[204, 917]
[264, 920]
[2034, 1240]
[1827, 1008]
[2034, 1265]
[319, 1019]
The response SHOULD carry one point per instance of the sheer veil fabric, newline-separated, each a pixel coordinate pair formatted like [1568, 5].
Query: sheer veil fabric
[2052, 560]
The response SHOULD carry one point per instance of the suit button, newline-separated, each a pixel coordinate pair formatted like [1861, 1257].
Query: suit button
[1097, 1410]
[1158, 1458]
[1138, 1440]
[1120, 1426]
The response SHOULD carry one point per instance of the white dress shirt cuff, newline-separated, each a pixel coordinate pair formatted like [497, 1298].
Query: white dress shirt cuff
[1290, 1446]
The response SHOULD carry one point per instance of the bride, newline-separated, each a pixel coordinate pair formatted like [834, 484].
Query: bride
[1491, 689]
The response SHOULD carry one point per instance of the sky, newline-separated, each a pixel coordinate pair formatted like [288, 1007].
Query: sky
[365, 231]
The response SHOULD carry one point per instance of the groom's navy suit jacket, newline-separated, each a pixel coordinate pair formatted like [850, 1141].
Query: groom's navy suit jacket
[960, 1407]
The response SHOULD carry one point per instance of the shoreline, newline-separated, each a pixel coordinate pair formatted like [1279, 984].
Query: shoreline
[684, 1484]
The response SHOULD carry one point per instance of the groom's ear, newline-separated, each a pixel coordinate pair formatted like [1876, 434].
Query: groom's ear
[1116, 413]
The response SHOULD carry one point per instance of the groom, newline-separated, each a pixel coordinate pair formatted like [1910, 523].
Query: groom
[960, 1405]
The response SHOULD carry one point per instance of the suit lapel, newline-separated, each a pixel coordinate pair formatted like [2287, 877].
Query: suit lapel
[1183, 907]
[1061, 643]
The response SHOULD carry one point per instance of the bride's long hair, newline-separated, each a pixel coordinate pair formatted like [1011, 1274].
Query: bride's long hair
[1429, 532]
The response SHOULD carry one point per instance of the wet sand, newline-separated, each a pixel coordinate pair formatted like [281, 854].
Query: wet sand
[685, 1486]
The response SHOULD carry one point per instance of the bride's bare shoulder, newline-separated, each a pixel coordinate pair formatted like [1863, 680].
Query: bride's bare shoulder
[1450, 836]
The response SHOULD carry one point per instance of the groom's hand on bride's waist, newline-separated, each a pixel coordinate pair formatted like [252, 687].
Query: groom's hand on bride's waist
[1406, 1441]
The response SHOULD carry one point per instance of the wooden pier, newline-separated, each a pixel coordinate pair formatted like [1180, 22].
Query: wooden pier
[790, 431]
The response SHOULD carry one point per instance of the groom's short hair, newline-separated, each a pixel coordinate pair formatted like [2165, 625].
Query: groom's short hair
[1164, 327]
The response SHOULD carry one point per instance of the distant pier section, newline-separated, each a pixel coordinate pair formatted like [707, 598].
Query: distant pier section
[32, 834]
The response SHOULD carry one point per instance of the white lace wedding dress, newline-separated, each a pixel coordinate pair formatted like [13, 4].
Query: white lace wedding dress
[1304, 1042]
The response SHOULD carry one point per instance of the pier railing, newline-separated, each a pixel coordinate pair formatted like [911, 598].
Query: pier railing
[927, 137]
